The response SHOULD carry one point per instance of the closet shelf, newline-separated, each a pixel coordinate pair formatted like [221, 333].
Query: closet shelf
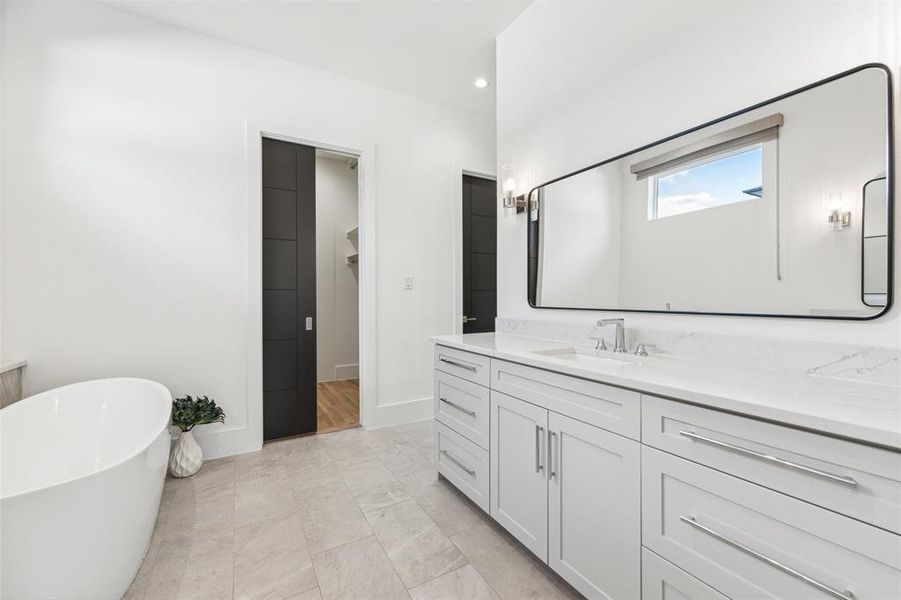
[352, 234]
[353, 258]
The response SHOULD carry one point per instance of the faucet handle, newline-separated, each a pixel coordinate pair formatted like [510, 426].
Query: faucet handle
[598, 336]
[642, 349]
[605, 322]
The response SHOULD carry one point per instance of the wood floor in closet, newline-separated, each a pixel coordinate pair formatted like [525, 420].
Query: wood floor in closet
[338, 405]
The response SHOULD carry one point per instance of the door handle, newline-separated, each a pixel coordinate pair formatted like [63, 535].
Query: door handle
[538, 440]
[468, 319]
[551, 456]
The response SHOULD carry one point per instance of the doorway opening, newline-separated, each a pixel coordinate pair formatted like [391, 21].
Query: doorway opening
[310, 304]
[479, 254]
[337, 292]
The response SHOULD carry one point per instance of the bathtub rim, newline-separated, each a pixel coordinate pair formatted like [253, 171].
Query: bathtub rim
[163, 428]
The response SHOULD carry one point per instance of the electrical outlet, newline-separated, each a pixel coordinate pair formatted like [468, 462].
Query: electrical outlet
[408, 282]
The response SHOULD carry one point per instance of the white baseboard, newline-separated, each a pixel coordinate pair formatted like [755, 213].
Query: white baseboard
[218, 442]
[347, 371]
[402, 412]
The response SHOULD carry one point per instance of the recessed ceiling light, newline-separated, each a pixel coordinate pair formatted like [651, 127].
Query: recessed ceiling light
[480, 83]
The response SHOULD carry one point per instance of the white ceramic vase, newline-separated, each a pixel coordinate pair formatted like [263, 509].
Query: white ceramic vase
[187, 456]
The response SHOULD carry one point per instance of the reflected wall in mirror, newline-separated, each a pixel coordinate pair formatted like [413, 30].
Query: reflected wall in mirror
[783, 209]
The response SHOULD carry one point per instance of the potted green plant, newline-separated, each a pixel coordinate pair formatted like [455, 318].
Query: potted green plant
[187, 457]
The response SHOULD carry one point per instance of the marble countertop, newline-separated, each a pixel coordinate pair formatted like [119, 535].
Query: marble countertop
[866, 412]
[9, 365]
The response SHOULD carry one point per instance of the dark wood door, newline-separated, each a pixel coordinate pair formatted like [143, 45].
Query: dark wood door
[289, 289]
[479, 254]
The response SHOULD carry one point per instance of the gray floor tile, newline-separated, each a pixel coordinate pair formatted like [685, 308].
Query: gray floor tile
[358, 570]
[464, 583]
[273, 576]
[296, 520]
[416, 547]
[507, 567]
[331, 517]
[307, 595]
[279, 534]
[450, 510]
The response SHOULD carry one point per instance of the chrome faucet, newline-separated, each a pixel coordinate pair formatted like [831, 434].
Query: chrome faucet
[620, 344]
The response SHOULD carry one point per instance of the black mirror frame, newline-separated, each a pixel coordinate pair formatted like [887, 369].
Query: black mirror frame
[532, 227]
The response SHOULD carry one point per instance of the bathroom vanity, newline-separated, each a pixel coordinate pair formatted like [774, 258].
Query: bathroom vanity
[657, 477]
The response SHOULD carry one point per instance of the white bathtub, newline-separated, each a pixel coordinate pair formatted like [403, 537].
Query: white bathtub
[83, 468]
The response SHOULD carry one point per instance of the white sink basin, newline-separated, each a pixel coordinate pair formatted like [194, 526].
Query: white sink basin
[588, 358]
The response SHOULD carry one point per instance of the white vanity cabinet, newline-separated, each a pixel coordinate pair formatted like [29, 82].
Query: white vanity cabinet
[570, 492]
[519, 470]
[564, 464]
[594, 514]
[630, 496]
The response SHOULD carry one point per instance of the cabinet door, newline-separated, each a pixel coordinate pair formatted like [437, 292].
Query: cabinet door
[594, 505]
[519, 470]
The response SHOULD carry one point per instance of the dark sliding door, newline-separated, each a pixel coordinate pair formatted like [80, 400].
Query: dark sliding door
[479, 254]
[289, 289]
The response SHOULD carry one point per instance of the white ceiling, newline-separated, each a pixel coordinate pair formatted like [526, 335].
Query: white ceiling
[431, 49]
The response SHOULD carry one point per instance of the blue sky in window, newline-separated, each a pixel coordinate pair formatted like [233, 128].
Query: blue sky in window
[711, 184]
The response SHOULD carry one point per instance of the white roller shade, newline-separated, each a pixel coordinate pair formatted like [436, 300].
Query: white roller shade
[754, 132]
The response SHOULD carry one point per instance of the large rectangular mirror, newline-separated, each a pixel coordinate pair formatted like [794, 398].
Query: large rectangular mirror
[782, 209]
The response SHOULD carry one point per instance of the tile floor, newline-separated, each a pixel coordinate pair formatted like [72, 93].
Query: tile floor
[353, 514]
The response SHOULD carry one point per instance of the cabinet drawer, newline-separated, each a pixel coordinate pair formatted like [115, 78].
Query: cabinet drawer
[750, 542]
[604, 406]
[853, 479]
[463, 406]
[662, 580]
[463, 464]
[469, 366]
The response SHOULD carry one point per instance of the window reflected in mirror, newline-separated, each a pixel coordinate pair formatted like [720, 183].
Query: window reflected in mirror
[717, 181]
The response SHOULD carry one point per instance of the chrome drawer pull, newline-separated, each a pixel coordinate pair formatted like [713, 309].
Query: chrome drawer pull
[471, 413]
[471, 472]
[841, 595]
[538, 438]
[458, 364]
[843, 479]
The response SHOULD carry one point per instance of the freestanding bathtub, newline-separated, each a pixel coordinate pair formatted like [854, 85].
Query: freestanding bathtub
[82, 473]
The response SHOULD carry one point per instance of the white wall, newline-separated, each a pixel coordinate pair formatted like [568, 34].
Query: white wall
[580, 240]
[124, 217]
[608, 77]
[337, 283]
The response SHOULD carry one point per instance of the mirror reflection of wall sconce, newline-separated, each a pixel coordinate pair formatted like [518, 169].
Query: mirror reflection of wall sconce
[838, 217]
[510, 199]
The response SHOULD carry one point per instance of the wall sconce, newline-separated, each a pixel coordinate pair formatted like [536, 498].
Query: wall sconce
[510, 200]
[838, 218]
